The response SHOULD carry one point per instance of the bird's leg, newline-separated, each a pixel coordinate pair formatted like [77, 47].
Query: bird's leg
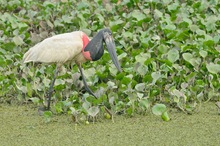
[89, 90]
[84, 82]
[50, 91]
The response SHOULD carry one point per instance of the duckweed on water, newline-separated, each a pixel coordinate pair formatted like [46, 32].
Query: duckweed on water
[21, 125]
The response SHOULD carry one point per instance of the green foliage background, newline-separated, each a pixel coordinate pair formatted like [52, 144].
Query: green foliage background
[169, 52]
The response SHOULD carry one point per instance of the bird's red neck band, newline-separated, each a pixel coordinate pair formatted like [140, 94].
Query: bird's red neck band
[86, 40]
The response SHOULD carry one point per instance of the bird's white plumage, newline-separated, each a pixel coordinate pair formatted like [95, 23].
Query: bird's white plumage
[57, 49]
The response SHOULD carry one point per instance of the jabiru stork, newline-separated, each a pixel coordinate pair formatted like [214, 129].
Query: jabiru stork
[72, 47]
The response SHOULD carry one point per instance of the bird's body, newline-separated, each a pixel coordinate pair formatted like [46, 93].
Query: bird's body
[60, 48]
[72, 47]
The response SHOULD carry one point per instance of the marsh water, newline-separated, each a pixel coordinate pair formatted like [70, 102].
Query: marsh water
[21, 126]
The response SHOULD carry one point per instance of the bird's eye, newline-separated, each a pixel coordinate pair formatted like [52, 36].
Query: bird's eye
[110, 33]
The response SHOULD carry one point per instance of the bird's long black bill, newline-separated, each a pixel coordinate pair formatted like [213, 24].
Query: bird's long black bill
[112, 51]
[84, 82]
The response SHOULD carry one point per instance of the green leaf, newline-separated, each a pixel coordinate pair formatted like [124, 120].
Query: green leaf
[177, 93]
[50, 24]
[142, 57]
[101, 18]
[144, 103]
[57, 82]
[23, 89]
[163, 48]
[48, 4]
[203, 53]
[111, 85]
[193, 28]
[166, 2]
[121, 56]
[59, 107]
[66, 19]
[138, 15]
[18, 40]
[86, 105]
[2, 61]
[73, 111]
[189, 58]
[127, 34]
[47, 116]
[213, 68]
[115, 24]
[165, 116]
[155, 76]
[93, 111]
[200, 32]
[170, 27]
[47, 82]
[173, 55]
[159, 109]
[158, 14]
[126, 80]
[142, 70]
[187, 20]
[140, 87]
[35, 100]
[173, 6]
[140, 95]
[82, 5]
[218, 48]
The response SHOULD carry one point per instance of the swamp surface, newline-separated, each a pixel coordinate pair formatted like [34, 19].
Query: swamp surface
[21, 126]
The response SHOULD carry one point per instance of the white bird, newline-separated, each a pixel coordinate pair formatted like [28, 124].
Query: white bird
[72, 47]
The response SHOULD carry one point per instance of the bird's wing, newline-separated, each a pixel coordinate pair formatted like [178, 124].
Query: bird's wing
[59, 48]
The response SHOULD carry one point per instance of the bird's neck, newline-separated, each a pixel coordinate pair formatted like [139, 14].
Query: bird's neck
[94, 49]
[85, 40]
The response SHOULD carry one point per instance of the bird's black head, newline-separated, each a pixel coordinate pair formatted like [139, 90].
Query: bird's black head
[96, 50]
